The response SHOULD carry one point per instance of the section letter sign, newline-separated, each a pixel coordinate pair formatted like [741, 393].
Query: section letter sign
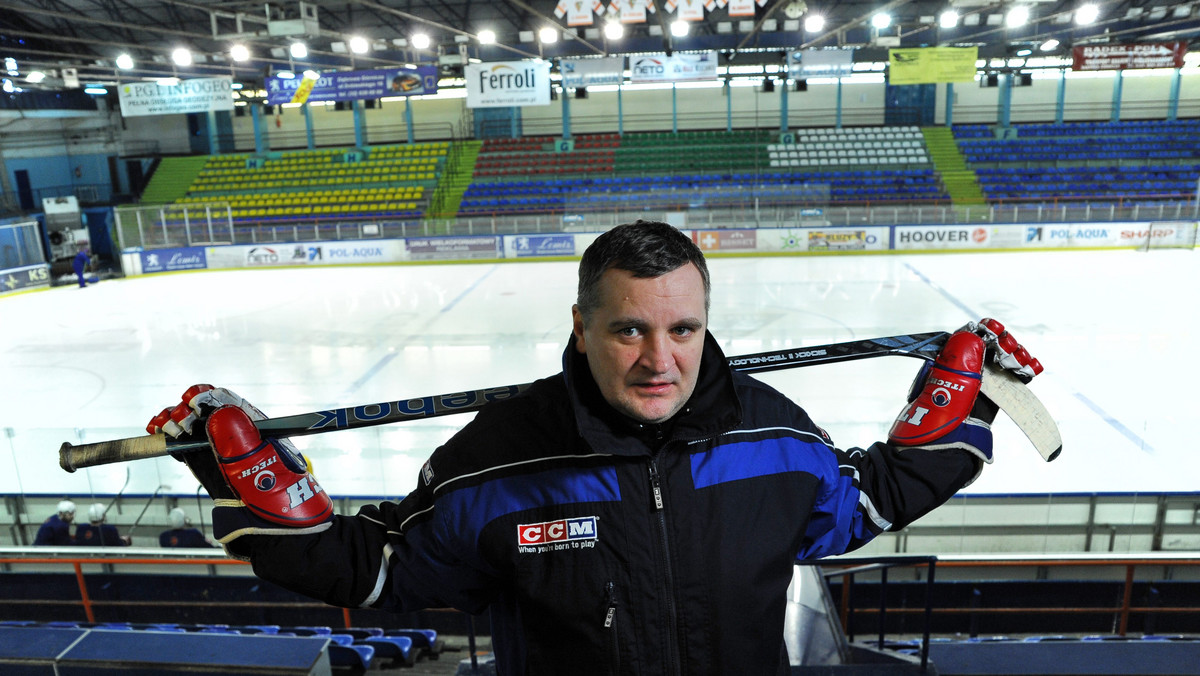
[508, 83]
[931, 65]
[674, 68]
[201, 95]
[1130, 56]
[587, 72]
[354, 85]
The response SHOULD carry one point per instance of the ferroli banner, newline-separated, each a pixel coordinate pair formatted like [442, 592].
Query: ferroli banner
[1128, 56]
[501, 84]
[200, 95]
[355, 85]
[806, 63]
[931, 65]
[674, 68]
[587, 72]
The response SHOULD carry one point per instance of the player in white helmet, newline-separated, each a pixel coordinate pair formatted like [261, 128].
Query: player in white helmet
[56, 530]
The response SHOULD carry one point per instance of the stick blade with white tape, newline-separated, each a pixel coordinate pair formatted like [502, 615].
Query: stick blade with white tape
[1019, 403]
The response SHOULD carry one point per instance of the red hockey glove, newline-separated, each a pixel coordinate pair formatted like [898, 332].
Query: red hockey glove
[257, 484]
[945, 409]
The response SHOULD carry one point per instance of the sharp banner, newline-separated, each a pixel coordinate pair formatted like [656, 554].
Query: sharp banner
[353, 85]
[674, 68]
[931, 65]
[201, 95]
[500, 84]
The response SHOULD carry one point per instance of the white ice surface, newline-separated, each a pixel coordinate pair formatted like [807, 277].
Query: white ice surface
[1112, 328]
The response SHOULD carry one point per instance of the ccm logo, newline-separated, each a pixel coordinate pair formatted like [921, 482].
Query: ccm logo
[563, 530]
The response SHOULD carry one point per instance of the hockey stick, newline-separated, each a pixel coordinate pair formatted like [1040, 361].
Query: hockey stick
[921, 345]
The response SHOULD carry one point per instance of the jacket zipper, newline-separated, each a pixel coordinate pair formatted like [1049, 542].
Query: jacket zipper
[610, 617]
[673, 658]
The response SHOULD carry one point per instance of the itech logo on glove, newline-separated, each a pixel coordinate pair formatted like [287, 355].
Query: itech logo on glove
[562, 530]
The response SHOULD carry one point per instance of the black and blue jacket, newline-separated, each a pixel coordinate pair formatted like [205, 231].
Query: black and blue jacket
[605, 546]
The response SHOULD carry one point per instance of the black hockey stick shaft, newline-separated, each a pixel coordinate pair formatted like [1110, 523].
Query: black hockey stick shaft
[73, 457]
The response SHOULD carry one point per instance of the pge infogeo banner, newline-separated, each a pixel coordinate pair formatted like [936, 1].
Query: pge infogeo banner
[201, 95]
[929, 65]
[674, 68]
[508, 83]
[354, 85]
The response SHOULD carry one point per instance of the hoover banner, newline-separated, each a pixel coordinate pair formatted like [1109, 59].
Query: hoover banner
[508, 83]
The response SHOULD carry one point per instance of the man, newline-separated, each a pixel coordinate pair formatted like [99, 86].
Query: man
[638, 513]
[79, 264]
[56, 530]
[96, 533]
[181, 533]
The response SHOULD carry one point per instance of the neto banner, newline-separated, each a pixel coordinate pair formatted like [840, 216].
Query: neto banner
[674, 68]
[1126, 57]
[929, 65]
[354, 85]
[508, 83]
[200, 95]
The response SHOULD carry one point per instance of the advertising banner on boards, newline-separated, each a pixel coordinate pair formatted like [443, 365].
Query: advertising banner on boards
[201, 95]
[508, 83]
[930, 65]
[1128, 56]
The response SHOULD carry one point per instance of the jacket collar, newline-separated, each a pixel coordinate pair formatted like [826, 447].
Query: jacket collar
[713, 408]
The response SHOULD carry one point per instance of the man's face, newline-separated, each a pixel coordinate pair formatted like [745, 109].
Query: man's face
[643, 342]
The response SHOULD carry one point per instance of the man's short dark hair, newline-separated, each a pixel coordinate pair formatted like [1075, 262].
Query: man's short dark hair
[643, 248]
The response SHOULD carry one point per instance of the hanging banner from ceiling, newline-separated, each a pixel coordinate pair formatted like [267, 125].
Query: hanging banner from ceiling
[201, 95]
[353, 85]
[930, 65]
[587, 72]
[687, 10]
[1128, 57]
[806, 63]
[631, 11]
[739, 8]
[508, 83]
[579, 12]
[674, 68]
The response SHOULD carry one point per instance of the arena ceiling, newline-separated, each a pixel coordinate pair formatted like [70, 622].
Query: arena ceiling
[88, 35]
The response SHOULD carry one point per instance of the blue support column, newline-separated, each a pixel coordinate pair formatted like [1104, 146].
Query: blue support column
[360, 124]
[949, 105]
[728, 106]
[408, 122]
[214, 147]
[674, 111]
[260, 145]
[1173, 98]
[1004, 112]
[783, 107]
[1061, 104]
[1118, 82]
[837, 122]
[566, 112]
[308, 126]
[620, 113]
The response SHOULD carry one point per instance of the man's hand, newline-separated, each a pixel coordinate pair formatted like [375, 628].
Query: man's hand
[255, 483]
[945, 409]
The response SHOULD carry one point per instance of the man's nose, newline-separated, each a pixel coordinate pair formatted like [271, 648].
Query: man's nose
[656, 353]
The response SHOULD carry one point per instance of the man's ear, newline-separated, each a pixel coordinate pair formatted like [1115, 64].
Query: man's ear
[577, 329]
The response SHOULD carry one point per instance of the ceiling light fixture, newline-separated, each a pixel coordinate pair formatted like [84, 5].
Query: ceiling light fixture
[614, 30]
[359, 44]
[239, 52]
[548, 35]
[125, 62]
[679, 28]
[948, 19]
[487, 36]
[881, 20]
[814, 23]
[1087, 14]
[181, 57]
[298, 50]
[1017, 16]
[36, 77]
[419, 41]
[1049, 45]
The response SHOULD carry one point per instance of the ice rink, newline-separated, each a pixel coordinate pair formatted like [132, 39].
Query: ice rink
[1112, 328]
